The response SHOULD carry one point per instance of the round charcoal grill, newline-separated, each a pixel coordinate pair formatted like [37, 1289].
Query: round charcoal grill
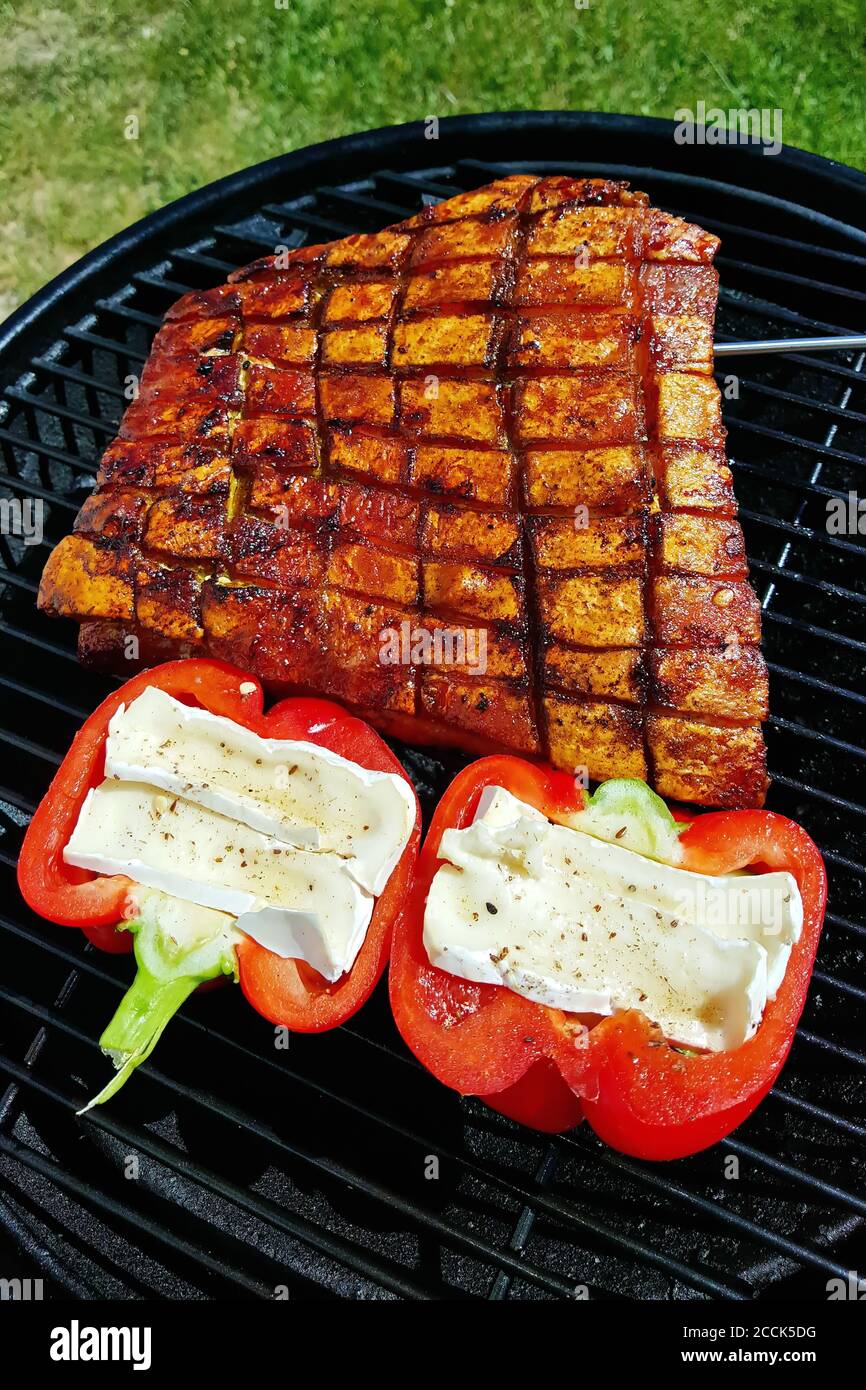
[231, 1168]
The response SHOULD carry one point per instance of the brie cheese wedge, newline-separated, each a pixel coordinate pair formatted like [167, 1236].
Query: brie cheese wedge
[298, 792]
[587, 926]
[297, 902]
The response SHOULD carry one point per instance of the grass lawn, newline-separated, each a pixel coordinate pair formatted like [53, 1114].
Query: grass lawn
[217, 84]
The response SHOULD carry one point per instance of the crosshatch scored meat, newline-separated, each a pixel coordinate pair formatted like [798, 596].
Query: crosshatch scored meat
[496, 418]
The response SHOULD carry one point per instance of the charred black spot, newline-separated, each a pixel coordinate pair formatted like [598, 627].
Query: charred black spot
[210, 420]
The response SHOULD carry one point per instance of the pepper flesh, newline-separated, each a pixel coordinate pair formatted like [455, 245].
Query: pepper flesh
[545, 1067]
[285, 991]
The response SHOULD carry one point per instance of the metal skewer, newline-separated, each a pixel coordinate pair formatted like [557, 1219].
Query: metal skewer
[835, 344]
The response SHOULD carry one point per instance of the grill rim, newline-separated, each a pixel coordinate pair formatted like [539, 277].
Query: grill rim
[142, 236]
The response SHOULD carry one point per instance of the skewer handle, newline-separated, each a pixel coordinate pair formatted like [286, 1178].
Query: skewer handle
[834, 344]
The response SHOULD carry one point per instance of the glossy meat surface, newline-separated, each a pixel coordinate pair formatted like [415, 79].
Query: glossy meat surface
[466, 475]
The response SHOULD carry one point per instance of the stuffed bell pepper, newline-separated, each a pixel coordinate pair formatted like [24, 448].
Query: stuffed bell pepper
[569, 957]
[274, 848]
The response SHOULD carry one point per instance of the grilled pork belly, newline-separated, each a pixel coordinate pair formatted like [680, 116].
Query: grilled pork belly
[466, 475]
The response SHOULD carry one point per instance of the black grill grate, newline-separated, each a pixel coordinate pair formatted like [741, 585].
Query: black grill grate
[306, 1168]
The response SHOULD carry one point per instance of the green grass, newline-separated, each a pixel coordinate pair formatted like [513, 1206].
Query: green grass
[219, 84]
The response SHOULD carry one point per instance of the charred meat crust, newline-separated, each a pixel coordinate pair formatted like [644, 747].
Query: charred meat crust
[466, 475]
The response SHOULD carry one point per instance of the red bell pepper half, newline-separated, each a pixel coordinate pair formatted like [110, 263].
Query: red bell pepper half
[541, 1066]
[287, 992]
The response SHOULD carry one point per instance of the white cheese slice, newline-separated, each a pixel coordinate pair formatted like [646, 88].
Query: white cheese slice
[295, 791]
[297, 902]
[579, 924]
[496, 806]
[762, 907]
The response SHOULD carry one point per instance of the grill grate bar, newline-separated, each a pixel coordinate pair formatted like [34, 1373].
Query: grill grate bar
[220, 268]
[768, 432]
[49, 451]
[788, 277]
[386, 212]
[44, 366]
[768, 311]
[807, 533]
[776, 393]
[100, 344]
[153, 280]
[27, 745]
[847, 1054]
[262, 246]
[308, 221]
[10, 630]
[809, 487]
[818, 736]
[844, 924]
[846, 260]
[800, 625]
[127, 312]
[18, 581]
[845, 986]
[43, 697]
[21, 1227]
[10, 861]
[830, 797]
[63, 412]
[122, 1212]
[818, 1112]
[35, 490]
[823, 585]
[649, 1177]
[815, 683]
[417, 186]
[796, 1174]
[843, 860]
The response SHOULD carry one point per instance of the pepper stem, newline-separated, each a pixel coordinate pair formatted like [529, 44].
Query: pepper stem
[138, 1024]
[177, 947]
[627, 812]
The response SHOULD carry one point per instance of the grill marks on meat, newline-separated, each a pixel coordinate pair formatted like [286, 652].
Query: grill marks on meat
[498, 417]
